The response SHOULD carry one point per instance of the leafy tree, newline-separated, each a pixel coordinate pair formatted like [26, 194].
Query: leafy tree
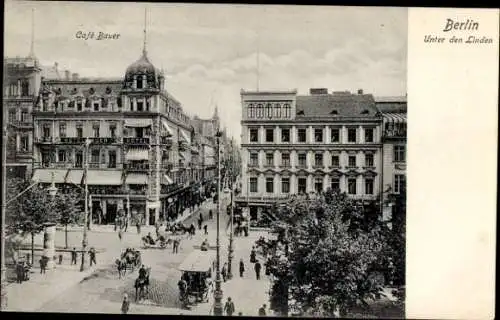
[327, 255]
[68, 207]
[30, 212]
[398, 236]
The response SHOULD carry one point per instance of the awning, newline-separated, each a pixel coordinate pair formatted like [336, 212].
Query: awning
[166, 180]
[104, 177]
[45, 175]
[166, 127]
[74, 176]
[198, 261]
[138, 123]
[185, 138]
[395, 117]
[137, 154]
[136, 178]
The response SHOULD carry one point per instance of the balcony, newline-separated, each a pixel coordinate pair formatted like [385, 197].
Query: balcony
[72, 140]
[44, 139]
[136, 166]
[395, 134]
[136, 141]
[285, 166]
[105, 140]
[166, 141]
[318, 166]
[21, 124]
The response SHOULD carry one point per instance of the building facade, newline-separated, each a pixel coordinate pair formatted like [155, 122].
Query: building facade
[303, 144]
[394, 112]
[144, 154]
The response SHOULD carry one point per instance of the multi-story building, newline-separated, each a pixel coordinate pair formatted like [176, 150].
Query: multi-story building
[140, 159]
[394, 111]
[302, 144]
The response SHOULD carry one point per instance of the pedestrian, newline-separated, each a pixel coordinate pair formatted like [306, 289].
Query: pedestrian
[43, 264]
[224, 272]
[125, 304]
[205, 227]
[19, 272]
[229, 307]
[253, 255]
[73, 256]
[199, 224]
[262, 310]
[176, 245]
[157, 229]
[242, 268]
[120, 234]
[138, 226]
[257, 268]
[201, 217]
[210, 214]
[92, 254]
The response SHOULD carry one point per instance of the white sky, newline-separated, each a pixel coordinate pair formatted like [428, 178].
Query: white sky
[209, 50]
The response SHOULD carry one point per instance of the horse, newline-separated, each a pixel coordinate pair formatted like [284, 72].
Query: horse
[142, 285]
[132, 258]
[121, 265]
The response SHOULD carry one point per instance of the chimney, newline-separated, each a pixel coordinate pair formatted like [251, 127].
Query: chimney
[316, 91]
[75, 76]
[360, 91]
[67, 74]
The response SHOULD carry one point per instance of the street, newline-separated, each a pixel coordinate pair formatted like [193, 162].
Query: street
[102, 291]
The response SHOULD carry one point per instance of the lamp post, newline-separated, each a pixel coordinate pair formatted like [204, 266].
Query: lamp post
[218, 291]
[85, 172]
[231, 244]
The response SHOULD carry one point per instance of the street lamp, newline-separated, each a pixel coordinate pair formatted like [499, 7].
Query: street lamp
[218, 291]
[231, 248]
[85, 172]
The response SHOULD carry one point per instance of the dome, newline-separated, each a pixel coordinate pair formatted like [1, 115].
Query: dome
[141, 66]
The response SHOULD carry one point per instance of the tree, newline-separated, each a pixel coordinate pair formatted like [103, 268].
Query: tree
[68, 207]
[398, 236]
[30, 212]
[328, 255]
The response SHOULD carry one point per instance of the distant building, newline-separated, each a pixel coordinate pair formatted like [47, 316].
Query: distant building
[304, 144]
[394, 112]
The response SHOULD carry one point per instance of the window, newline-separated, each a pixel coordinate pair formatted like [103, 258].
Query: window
[79, 106]
[253, 184]
[112, 131]
[46, 132]
[335, 161]
[96, 106]
[302, 159]
[24, 143]
[318, 185]
[369, 186]
[352, 161]
[399, 153]
[112, 159]
[251, 110]
[25, 88]
[351, 186]
[79, 159]
[286, 110]
[95, 156]
[277, 110]
[301, 135]
[269, 110]
[12, 115]
[318, 135]
[269, 159]
[369, 160]
[260, 111]
[269, 135]
[61, 156]
[335, 184]
[254, 135]
[368, 134]
[45, 159]
[335, 135]
[351, 135]
[254, 159]
[399, 183]
[25, 117]
[140, 106]
[269, 185]
[79, 132]
[285, 185]
[285, 159]
[139, 82]
[148, 105]
[285, 135]
[62, 130]
[318, 160]
[302, 185]
[96, 131]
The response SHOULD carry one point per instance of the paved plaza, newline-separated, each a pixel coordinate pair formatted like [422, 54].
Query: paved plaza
[98, 289]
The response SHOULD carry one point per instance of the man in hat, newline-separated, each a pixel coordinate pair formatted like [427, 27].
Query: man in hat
[125, 304]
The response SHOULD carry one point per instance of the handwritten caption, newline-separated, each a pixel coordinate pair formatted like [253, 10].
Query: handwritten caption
[452, 25]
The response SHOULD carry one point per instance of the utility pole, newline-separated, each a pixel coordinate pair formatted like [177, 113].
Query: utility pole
[85, 173]
[218, 291]
[231, 244]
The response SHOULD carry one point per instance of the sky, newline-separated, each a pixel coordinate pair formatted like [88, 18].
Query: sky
[209, 51]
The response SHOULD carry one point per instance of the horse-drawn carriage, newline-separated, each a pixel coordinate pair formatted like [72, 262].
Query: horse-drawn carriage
[129, 260]
[196, 280]
[161, 242]
[141, 284]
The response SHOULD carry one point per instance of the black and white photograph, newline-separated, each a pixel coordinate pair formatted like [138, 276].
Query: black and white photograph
[204, 159]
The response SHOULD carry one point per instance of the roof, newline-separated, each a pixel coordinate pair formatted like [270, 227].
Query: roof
[83, 87]
[50, 72]
[198, 261]
[391, 99]
[392, 107]
[143, 65]
[344, 105]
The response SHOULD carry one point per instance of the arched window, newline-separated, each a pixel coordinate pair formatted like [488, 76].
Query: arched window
[269, 110]
[25, 88]
[251, 111]
[287, 110]
[277, 110]
[260, 111]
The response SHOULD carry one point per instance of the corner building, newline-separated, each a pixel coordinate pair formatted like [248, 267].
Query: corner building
[141, 157]
[304, 144]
